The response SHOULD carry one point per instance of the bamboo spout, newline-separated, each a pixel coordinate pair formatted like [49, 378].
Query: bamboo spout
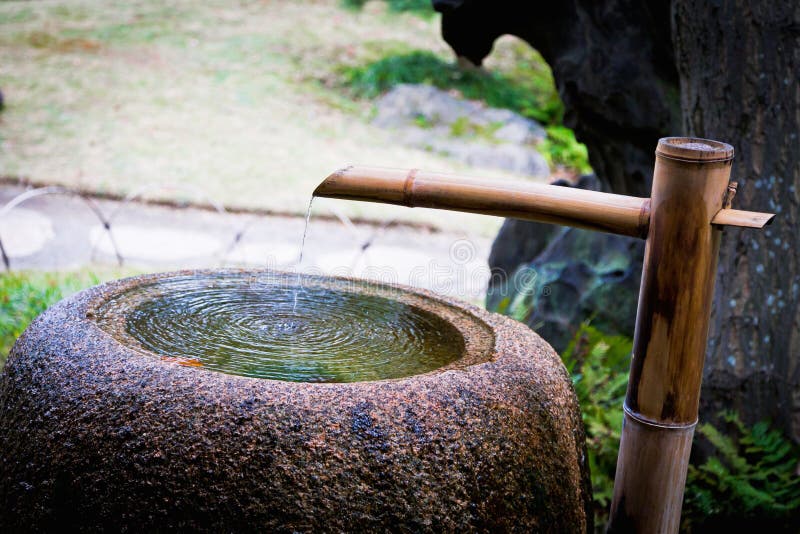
[605, 212]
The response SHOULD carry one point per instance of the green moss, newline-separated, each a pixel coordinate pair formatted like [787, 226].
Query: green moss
[463, 127]
[423, 122]
[561, 148]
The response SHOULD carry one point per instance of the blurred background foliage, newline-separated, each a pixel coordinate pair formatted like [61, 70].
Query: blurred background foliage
[751, 482]
[26, 294]
[528, 89]
[599, 365]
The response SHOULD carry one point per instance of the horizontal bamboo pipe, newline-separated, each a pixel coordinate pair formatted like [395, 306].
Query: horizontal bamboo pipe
[592, 210]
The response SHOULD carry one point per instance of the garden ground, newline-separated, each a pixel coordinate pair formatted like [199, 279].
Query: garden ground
[244, 103]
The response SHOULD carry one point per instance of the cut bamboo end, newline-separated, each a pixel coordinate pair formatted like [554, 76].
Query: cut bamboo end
[746, 219]
[694, 149]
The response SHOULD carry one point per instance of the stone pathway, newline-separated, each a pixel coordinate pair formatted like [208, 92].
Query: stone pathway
[60, 232]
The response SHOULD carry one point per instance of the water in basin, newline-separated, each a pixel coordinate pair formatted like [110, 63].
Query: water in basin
[276, 326]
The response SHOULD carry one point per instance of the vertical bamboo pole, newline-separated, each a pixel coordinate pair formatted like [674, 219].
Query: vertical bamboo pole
[689, 187]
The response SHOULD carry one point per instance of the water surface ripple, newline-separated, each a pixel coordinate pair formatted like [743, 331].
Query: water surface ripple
[271, 327]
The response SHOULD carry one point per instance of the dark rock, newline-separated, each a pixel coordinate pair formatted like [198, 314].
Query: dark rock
[97, 436]
[613, 65]
[554, 278]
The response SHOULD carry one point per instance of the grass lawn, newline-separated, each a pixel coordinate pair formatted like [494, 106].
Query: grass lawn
[231, 99]
[24, 295]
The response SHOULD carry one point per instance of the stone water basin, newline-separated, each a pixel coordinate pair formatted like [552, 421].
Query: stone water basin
[240, 400]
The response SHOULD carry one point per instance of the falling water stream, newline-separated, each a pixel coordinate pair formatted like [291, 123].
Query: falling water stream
[302, 247]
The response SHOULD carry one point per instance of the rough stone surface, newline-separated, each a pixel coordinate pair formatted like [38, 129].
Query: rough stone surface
[96, 436]
[426, 117]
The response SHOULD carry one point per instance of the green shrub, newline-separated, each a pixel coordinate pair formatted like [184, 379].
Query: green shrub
[23, 296]
[750, 482]
[561, 148]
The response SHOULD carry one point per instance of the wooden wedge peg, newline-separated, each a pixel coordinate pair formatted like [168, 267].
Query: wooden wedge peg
[746, 219]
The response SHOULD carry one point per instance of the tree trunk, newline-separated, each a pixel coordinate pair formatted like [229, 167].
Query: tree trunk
[739, 68]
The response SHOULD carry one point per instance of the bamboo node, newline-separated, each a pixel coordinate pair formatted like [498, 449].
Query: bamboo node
[408, 188]
[730, 194]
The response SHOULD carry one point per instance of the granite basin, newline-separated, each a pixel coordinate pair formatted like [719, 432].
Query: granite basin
[99, 433]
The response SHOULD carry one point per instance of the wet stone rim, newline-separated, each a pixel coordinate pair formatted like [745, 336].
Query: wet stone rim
[478, 337]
